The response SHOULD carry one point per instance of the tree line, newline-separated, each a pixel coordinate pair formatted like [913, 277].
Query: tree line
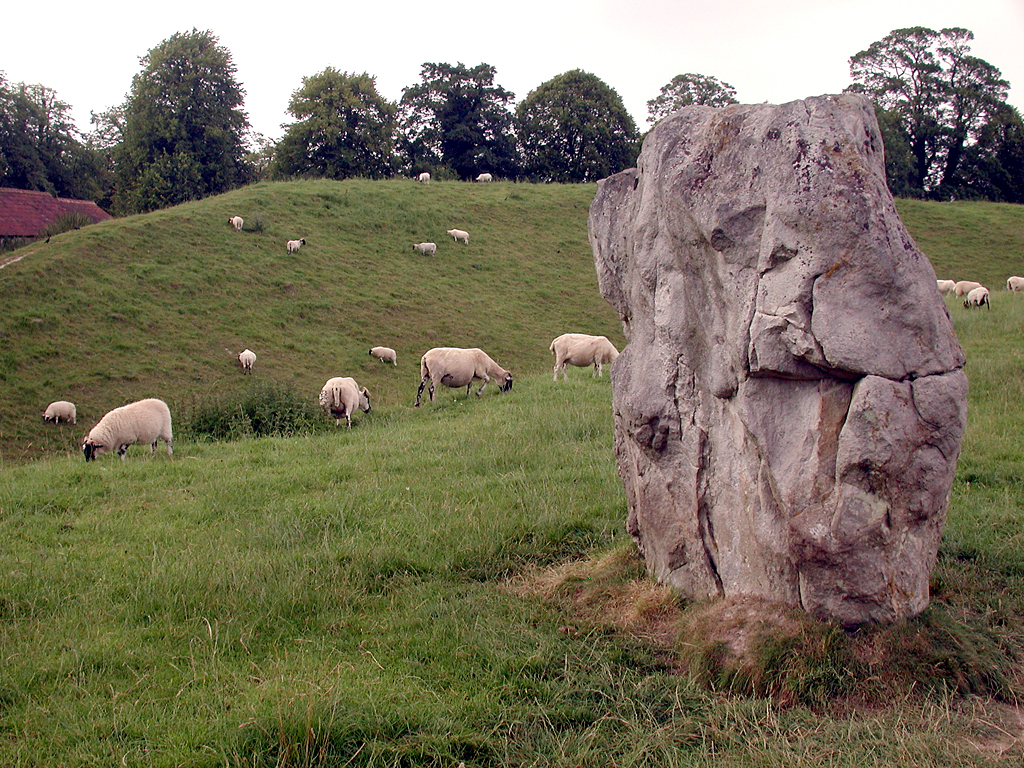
[182, 132]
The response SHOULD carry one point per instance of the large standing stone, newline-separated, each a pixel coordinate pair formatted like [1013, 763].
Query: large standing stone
[789, 407]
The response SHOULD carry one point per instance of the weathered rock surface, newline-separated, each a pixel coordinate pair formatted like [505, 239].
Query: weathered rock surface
[790, 405]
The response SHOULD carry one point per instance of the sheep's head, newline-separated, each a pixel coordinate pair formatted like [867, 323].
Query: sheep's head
[92, 449]
[507, 384]
[364, 400]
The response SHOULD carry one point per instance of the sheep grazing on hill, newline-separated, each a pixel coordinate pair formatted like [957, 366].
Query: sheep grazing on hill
[963, 287]
[341, 395]
[455, 367]
[1015, 284]
[247, 358]
[581, 350]
[236, 222]
[294, 245]
[385, 354]
[423, 178]
[946, 286]
[458, 234]
[484, 177]
[61, 410]
[976, 297]
[140, 423]
[427, 249]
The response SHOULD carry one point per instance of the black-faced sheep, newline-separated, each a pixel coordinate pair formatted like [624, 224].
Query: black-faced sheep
[294, 245]
[427, 249]
[61, 410]
[341, 395]
[236, 222]
[385, 354]
[423, 178]
[976, 297]
[458, 234]
[455, 367]
[247, 358]
[581, 350]
[963, 287]
[143, 422]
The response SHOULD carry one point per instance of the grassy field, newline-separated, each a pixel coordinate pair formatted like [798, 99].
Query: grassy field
[443, 585]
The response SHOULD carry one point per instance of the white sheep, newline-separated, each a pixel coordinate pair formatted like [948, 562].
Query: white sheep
[341, 395]
[140, 423]
[963, 287]
[60, 410]
[976, 297]
[423, 178]
[946, 286]
[385, 354]
[485, 177]
[294, 245]
[1015, 284]
[455, 367]
[247, 358]
[581, 350]
[236, 222]
[458, 234]
[427, 249]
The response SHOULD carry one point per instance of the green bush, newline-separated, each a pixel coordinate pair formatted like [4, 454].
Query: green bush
[266, 409]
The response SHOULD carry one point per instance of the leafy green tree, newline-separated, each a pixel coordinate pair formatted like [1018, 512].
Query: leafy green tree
[343, 128]
[184, 128]
[575, 128]
[458, 121]
[689, 90]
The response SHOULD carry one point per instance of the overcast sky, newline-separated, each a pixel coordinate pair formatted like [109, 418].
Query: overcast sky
[769, 50]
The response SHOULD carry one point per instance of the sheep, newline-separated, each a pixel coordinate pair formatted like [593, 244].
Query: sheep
[455, 367]
[60, 410]
[1015, 284]
[236, 222]
[485, 177]
[385, 354]
[140, 423]
[427, 249]
[946, 286]
[963, 287]
[458, 234]
[581, 349]
[341, 395]
[294, 245]
[976, 297]
[247, 358]
[423, 178]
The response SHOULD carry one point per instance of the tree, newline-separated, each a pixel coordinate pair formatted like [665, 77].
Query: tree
[344, 128]
[184, 129]
[688, 90]
[458, 120]
[938, 96]
[575, 128]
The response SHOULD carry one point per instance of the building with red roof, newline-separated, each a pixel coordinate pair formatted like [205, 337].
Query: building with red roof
[26, 213]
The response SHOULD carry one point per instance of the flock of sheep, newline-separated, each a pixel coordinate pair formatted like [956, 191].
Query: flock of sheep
[974, 293]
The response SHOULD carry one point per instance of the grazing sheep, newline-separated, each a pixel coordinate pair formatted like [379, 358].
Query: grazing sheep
[976, 297]
[458, 234]
[946, 286]
[456, 367]
[1015, 284]
[385, 354]
[427, 249]
[60, 410]
[485, 177]
[139, 423]
[423, 178]
[963, 287]
[294, 245]
[341, 396]
[581, 350]
[247, 358]
[236, 222]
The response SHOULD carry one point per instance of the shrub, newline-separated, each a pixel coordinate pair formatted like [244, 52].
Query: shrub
[265, 409]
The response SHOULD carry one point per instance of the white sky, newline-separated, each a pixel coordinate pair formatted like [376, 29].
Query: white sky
[769, 50]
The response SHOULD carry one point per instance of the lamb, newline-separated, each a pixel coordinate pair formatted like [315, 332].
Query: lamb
[976, 297]
[247, 358]
[60, 410]
[140, 423]
[427, 249]
[455, 367]
[946, 286]
[485, 177]
[294, 245]
[963, 287]
[581, 349]
[236, 222]
[1015, 284]
[423, 178]
[341, 395]
[385, 354]
[459, 234]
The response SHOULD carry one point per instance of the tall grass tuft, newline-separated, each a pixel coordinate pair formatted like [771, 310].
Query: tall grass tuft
[265, 409]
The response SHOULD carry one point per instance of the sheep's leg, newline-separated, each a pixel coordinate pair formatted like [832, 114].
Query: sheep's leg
[486, 380]
[121, 451]
[419, 392]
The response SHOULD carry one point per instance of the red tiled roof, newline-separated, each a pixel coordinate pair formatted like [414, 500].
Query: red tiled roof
[24, 213]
